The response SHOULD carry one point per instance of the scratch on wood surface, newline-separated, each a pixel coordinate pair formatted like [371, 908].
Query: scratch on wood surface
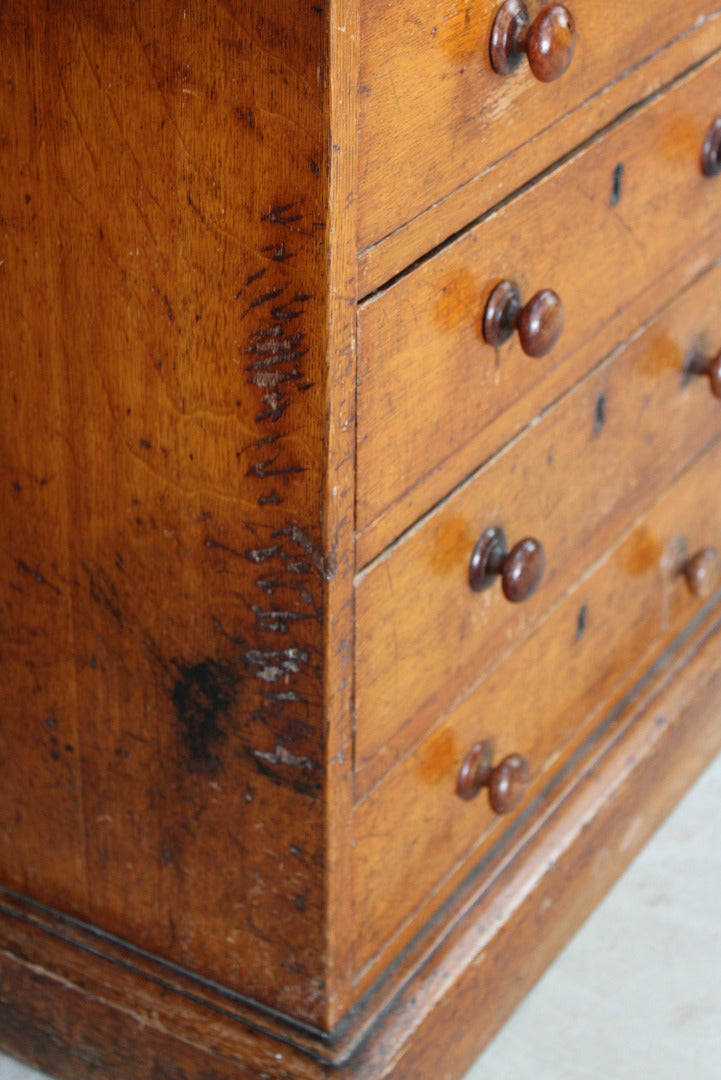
[281, 756]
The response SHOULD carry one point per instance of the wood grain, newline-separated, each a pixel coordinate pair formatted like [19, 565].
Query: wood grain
[537, 702]
[164, 287]
[575, 480]
[528, 905]
[66, 1011]
[183, 885]
[427, 381]
[434, 114]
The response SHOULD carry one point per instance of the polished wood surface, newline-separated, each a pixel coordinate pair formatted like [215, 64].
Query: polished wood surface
[300, 709]
[575, 479]
[455, 990]
[421, 343]
[538, 701]
[434, 113]
[164, 291]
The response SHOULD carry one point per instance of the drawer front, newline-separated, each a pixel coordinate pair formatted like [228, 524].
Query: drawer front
[574, 480]
[598, 231]
[434, 113]
[537, 701]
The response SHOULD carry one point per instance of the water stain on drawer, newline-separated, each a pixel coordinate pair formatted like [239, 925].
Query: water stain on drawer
[642, 554]
[452, 542]
[456, 297]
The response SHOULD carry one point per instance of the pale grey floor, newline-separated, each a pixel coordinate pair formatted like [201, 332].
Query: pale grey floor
[637, 994]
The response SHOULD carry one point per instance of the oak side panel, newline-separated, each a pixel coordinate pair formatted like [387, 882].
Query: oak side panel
[164, 332]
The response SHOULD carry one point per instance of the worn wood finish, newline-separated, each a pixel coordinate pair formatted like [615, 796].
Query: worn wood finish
[446, 217]
[432, 107]
[428, 382]
[207, 832]
[574, 480]
[538, 702]
[484, 444]
[72, 1018]
[166, 562]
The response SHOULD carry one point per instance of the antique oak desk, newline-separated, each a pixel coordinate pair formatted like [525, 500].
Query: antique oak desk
[361, 443]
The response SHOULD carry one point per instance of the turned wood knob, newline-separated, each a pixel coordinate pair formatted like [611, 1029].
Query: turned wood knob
[539, 322]
[520, 569]
[506, 783]
[711, 150]
[711, 368]
[702, 572]
[548, 42]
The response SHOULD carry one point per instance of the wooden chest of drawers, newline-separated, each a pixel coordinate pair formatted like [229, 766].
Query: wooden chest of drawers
[360, 444]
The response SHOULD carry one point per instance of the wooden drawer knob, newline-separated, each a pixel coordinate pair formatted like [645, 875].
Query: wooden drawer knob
[539, 323]
[548, 42]
[711, 368]
[702, 572]
[506, 783]
[521, 568]
[711, 152]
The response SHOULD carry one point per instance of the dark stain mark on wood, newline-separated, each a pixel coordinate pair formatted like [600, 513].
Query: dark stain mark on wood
[202, 697]
[260, 555]
[270, 665]
[103, 591]
[599, 418]
[277, 403]
[617, 185]
[293, 564]
[266, 440]
[264, 298]
[581, 622]
[262, 469]
[210, 543]
[280, 215]
[282, 767]
[281, 756]
[279, 252]
[36, 576]
[277, 621]
[245, 117]
[325, 567]
[251, 279]
[314, 166]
